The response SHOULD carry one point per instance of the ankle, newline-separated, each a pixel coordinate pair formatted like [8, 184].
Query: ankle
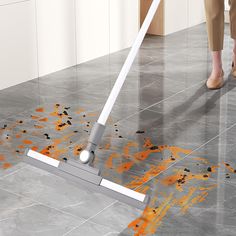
[217, 69]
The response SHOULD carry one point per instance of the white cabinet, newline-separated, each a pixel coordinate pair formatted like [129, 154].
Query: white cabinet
[173, 16]
[92, 28]
[124, 23]
[6, 2]
[182, 14]
[56, 35]
[39, 37]
[18, 54]
[105, 26]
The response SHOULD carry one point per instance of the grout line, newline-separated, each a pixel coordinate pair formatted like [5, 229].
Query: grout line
[5, 219]
[12, 173]
[43, 204]
[196, 149]
[202, 145]
[111, 233]
[73, 205]
[166, 99]
[76, 227]
[25, 207]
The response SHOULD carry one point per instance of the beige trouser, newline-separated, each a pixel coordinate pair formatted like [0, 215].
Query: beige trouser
[215, 22]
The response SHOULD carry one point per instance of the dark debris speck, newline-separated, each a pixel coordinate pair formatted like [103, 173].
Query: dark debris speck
[209, 169]
[140, 132]
[154, 148]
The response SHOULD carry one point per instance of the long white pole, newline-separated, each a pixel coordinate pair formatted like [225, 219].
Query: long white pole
[128, 63]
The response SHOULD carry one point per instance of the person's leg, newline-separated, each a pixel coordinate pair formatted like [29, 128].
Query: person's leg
[234, 53]
[232, 14]
[215, 28]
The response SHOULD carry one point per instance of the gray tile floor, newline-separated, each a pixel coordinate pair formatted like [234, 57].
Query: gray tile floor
[168, 136]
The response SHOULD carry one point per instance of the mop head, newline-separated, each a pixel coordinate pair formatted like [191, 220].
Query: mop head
[87, 176]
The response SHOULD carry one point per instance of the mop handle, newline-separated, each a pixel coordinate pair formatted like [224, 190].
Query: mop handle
[127, 65]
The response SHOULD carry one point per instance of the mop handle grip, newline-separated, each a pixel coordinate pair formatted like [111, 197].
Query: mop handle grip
[128, 63]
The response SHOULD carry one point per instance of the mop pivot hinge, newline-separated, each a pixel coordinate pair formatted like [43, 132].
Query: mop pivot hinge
[87, 156]
[96, 134]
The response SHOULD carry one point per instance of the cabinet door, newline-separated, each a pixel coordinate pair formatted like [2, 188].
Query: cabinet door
[124, 23]
[18, 54]
[6, 2]
[92, 28]
[56, 35]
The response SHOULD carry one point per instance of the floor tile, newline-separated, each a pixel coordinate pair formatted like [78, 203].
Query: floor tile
[55, 192]
[193, 197]
[166, 137]
[10, 203]
[38, 220]
[117, 216]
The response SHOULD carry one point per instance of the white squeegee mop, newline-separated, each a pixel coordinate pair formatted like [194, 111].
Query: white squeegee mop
[81, 171]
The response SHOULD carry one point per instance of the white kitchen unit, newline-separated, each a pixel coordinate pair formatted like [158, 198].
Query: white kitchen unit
[18, 54]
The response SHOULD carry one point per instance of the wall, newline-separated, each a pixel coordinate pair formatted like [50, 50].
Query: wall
[38, 37]
[182, 14]
[173, 16]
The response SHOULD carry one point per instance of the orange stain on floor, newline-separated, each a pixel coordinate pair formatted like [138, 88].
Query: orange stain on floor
[229, 167]
[35, 117]
[45, 119]
[2, 157]
[54, 150]
[141, 156]
[124, 167]
[60, 125]
[109, 161]
[201, 159]
[77, 149]
[34, 148]
[55, 112]
[6, 165]
[38, 126]
[18, 136]
[151, 219]
[40, 109]
[91, 114]
[81, 110]
[27, 141]
[126, 149]
[181, 178]
[148, 175]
